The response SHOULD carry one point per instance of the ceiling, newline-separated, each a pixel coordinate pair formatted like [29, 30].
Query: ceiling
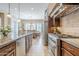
[27, 10]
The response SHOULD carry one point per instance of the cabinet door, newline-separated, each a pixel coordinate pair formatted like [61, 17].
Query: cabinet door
[12, 53]
[57, 21]
[50, 24]
[72, 49]
[66, 53]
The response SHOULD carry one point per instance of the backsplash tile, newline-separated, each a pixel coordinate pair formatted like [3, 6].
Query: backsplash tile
[70, 24]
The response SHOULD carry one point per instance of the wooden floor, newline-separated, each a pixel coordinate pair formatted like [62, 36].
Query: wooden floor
[38, 48]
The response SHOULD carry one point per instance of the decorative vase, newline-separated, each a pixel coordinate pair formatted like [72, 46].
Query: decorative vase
[3, 38]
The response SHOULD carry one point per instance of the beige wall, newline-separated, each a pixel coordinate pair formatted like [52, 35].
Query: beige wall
[70, 24]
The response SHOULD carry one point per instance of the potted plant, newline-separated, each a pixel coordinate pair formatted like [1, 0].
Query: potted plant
[5, 31]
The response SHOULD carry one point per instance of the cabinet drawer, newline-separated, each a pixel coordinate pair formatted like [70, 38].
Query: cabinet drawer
[6, 49]
[72, 49]
[12, 53]
[65, 52]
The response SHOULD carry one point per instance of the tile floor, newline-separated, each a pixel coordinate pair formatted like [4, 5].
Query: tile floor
[38, 48]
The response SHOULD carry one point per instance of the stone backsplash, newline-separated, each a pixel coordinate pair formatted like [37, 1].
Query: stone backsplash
[70, 24]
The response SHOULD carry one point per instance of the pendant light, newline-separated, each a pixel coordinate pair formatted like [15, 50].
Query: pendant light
[19, 20]
[9, 10]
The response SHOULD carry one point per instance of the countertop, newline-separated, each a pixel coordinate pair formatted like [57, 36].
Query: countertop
[53, 36]
[12, 38]
[73, 40]
[63, 35]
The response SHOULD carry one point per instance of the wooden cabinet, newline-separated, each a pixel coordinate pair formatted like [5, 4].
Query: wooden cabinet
[12, 53]
[53, 22]
[68, 49]
[57, 22]
[65, 52]
[53, 19]
[9, 50]
[50, 24]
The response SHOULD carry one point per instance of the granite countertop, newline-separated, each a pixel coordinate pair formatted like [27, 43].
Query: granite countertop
[12, 38]
[62, 35]
[52, 35]
[73, 40]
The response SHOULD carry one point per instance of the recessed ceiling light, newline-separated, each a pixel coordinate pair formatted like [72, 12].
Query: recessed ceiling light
[15, 8]
[32, 8]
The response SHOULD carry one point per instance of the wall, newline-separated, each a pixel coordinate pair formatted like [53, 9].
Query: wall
[70, 24]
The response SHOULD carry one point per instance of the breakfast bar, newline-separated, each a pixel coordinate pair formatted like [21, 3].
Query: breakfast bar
[16, 45]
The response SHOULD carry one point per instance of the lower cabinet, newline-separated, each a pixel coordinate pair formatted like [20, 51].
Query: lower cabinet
[9, 50]
[66, 53]
[12, 53]
[68, 50]
[20, 47]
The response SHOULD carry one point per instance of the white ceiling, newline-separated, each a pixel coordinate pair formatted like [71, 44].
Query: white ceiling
[27, 10]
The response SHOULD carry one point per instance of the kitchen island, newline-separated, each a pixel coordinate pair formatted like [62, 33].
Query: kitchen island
[16, 45]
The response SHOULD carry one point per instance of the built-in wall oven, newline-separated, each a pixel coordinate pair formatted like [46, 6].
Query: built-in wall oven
[53, 45]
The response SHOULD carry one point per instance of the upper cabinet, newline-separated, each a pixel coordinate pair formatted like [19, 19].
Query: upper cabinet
[50, 7]
[57, 22]
[50, 24]
[57, 11]
[61, 9]
[69, 8]
[54, 9]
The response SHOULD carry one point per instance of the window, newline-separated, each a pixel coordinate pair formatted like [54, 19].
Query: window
[39, 27]
[34, 26]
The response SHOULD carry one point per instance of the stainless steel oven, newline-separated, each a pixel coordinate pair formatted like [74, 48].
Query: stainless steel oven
[53, 45]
